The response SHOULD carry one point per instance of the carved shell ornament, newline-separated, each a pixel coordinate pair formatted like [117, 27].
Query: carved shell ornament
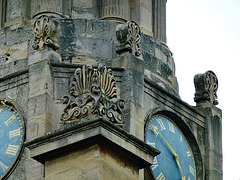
[91, 92]
[128, 36]
[206, 86]
[45, 32]
[134, 37]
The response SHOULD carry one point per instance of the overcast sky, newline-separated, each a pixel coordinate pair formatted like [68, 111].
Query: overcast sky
[205, 35]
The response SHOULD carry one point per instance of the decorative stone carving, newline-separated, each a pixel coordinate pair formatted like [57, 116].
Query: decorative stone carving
[91, 92]
[206, 86]
[128, 36]
[46, 33]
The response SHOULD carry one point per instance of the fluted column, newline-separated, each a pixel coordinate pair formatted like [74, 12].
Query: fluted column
[115, 10]
[159, 19]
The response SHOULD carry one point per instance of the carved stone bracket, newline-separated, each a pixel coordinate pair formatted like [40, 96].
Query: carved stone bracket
[128, 36]
[46, 33]
[206, 86]
[91, 92]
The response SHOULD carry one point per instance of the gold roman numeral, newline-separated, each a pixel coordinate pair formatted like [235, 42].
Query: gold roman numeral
[151, 128]
[12, 150]
[155, 163]
[171, 127]
[161, 124]
[15, 132]
[189, 153]
[10, 119]
[191, 170]
[188, 178]
[181, 138]
[4, 167]
[160, 177]
[151, 144]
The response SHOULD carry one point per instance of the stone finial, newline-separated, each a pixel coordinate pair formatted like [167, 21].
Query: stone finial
[128, 36]
[206, 86]
[46, 33]
[91, 92]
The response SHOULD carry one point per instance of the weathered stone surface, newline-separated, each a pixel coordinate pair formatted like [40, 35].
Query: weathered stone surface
[38, 81]
[96, 144]
[206, 86]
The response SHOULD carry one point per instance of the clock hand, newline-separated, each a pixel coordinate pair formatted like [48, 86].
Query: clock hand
[175, 154]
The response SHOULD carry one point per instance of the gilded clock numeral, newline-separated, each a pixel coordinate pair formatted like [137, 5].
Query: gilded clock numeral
[151, 143]
[4, 167]
[160, 177]
[191, 170]
[171, 127]
[151, 128]
[12, 150]
[10, 119]
[155, 163]
[161, 124]
[188, 178]
[189, 153]
[181, 138]
[15, 132]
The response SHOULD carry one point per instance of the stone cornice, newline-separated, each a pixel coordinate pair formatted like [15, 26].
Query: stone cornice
[91, 131]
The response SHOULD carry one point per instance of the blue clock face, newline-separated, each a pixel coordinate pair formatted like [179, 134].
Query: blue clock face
[176, 161]
[12, 135]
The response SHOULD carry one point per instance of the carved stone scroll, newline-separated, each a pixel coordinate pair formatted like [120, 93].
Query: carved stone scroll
[46, 33]
[91, 92]
[128, 36]
[206, 86]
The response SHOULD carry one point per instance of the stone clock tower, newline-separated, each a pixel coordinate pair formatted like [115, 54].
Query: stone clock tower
[88, 91]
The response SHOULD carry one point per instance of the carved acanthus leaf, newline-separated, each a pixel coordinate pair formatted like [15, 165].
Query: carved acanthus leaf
[206, 86]
[128, 36]
[91, 92]
[46, 33]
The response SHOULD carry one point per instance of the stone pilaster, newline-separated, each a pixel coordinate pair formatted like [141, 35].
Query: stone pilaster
[40, 92]
[40, 103]
[159, 19]
[141, 12]
[133, 93]
[115, 10]
[213, 139]
[206, 86]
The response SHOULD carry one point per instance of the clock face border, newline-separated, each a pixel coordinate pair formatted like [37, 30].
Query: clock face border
[18, 156]
[189, 136]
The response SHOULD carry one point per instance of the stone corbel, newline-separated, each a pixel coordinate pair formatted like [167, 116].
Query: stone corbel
[128, 36]
[46, 33]
[91, 91]
[206, 86]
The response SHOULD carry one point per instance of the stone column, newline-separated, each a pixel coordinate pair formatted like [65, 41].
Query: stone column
[115, 10]
[159, 19]
[56, 8]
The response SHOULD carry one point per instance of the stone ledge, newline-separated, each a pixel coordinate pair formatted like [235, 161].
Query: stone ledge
[94, 131]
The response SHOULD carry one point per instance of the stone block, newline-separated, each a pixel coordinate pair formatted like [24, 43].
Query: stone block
[38, 125]
[159, 54]
[17, 51]
[40, 83]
